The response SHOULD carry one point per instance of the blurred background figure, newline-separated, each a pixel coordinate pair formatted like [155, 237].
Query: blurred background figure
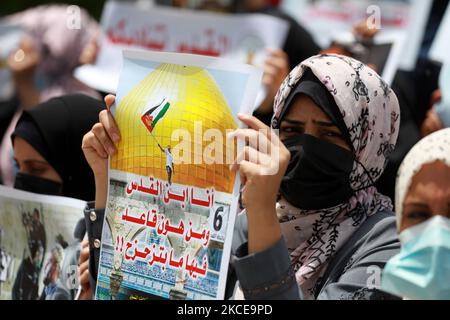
[42, 67]
[47, 147]
[48, 54]
[421, 270]
[438, 117]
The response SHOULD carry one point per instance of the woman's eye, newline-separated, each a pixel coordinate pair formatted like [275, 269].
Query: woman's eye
[332, 134]
[37, 170]
[418, 215]
[291, 130]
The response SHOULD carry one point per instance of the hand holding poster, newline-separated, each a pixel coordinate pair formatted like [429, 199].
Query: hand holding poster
[172, 197]
[38, 252]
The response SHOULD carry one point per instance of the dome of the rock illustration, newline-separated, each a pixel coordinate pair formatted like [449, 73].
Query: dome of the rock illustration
[174, 97]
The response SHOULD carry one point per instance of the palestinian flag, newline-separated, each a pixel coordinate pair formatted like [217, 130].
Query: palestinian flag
[152, 116]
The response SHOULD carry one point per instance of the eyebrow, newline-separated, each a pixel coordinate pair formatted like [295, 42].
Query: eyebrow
[31, 161]
[317, 122]
[417, 204]
[295, 122]
[325, 124]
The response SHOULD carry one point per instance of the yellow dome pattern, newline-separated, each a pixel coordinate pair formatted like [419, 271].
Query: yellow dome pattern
[194, 96]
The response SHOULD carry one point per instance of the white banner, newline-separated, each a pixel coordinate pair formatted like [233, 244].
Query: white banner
[326, 19]
[240, 37]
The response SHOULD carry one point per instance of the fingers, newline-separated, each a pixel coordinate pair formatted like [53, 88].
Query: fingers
[107, 120]
[84, 275]
[361, 29]
[436, 97]
[103, 138]
[436, 121]
[84, 254]
[84, 243]
[109, 101]
[247, 170]
[277, 53]
[270, 70]
[84, 267]
[104, 134]
[276, 69]
[278, 59]
[250, 154]
[268, 80]
[83, 270]
[431, 124]
[253, 138]
[264, 148]
[90, 141]
[252, 122]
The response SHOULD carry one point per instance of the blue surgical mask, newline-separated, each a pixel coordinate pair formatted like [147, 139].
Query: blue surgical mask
[422, 268]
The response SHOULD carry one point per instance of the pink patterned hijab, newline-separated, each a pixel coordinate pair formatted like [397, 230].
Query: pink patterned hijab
[60, 48]
[59, 45]
[370, 111]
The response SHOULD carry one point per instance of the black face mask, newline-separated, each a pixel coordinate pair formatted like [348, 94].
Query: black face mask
[39, 185]
[318, 175]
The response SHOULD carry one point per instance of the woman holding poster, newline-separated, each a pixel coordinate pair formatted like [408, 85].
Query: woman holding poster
[314, 225]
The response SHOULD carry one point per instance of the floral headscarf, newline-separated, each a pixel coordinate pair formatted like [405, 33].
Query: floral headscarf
[371, 114]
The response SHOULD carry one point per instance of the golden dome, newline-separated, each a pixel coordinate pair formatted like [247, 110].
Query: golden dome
[194, 96]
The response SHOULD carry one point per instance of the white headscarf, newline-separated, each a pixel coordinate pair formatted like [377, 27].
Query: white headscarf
[371, 114]
[434, 147]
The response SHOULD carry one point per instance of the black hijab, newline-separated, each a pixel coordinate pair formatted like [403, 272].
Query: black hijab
[55, 129]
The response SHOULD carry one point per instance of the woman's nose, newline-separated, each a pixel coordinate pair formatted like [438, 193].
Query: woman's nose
[311, 129]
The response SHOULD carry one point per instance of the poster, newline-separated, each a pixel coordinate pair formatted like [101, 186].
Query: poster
[240, 37]
[36, 241]
[172, 200]
[401, 20]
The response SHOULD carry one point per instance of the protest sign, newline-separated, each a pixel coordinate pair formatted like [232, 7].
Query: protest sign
[241, 37]
[172, 198]
[400, 22]
[37, 244]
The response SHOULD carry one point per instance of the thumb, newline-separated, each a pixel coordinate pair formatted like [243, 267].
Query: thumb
[109, 101]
